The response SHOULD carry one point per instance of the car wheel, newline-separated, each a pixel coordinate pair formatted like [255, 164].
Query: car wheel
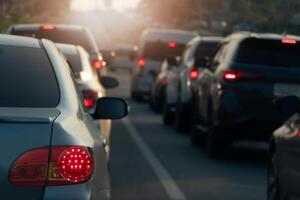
[215, 143]
[135, 96]
[198, 138]
[153, 104]
[272, 179]
[167, 114]
[181, 118]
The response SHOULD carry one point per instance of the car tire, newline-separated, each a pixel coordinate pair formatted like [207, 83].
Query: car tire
[135, 96]
[272, 178]
[181, 118]
[198, 138]
[167, 114]
[215, 143]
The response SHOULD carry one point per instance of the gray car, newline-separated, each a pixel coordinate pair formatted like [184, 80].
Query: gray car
[51, 148]
[155, 45]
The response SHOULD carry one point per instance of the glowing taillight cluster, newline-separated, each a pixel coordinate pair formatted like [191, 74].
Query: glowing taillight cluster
[194, 74]
[67, 165]
[232, 75]
[141, 63]
[89, 98]
[98, 64]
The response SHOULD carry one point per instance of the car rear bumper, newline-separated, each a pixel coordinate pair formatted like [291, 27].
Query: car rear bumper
[287, 156]
[250, 129]
[76, 192]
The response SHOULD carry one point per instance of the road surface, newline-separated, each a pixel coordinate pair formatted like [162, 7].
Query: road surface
[150, 161]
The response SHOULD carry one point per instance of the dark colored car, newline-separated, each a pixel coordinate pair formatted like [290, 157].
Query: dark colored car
[236, 93]
[283, 162]
[51, 146]
[63, 33]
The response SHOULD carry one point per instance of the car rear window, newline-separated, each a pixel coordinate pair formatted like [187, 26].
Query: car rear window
[206, 50]
[27, 78]
[272, 53]
[160, 50]
[80, 38]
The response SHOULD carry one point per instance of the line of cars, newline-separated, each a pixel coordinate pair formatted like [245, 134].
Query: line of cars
[241, 87]
[52, 98]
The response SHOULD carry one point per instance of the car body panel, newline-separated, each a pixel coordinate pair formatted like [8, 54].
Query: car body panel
[23, 129]
[285, 145]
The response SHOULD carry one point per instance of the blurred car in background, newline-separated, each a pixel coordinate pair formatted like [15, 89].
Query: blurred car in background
[179, 97]
[88, 83]
[160, 83]
[123, 56]
[155, 46]
[236, 94]
[51, 146]
[283, 159]
[64, 33]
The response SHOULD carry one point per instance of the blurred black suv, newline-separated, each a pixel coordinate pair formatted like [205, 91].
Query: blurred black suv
[235, 94]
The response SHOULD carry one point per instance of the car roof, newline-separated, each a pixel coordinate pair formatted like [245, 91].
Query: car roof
[67, 48]
[240, 36]
[205, 39]
[20, 41]
[26, 27]
[168, 35]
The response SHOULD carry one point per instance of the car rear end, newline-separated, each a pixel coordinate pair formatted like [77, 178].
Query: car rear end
[29, 96]
[61, 33]
[264, 68]
[155, 47]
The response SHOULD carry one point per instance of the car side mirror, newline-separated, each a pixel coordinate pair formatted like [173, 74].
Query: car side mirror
[109, 82]
[110, 108]
[288, 104]
[172, 61]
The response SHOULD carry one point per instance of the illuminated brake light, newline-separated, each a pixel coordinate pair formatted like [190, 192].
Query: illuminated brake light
[289, 41]
[194, 74]
[67, 165]
[90, 98]
[48, 27]
[230, 75]
[97, 64]
[141, 63]
[234, 75]
[172, 44]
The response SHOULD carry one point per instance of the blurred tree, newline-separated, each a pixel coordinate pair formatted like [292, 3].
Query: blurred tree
[266, 15]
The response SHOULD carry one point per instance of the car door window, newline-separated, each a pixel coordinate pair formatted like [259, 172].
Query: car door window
[220, 56]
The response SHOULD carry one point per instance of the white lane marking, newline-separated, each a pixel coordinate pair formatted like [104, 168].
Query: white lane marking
[173, 191]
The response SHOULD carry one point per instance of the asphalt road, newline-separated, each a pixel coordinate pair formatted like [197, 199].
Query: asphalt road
[150, 161]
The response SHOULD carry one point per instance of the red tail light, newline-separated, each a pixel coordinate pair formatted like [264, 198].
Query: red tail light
[172, 44]
[67, 165]
[230, 75]
[141, 63]
[98, 64]
[288, 41]
[89, 98]
[165, 80]
[235, 75]
[194, 73]
[48, 27]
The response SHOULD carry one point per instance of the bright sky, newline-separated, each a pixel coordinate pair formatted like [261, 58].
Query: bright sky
[120, 5]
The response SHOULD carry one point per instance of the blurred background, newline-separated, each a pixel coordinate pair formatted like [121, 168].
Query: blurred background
[115, 21]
